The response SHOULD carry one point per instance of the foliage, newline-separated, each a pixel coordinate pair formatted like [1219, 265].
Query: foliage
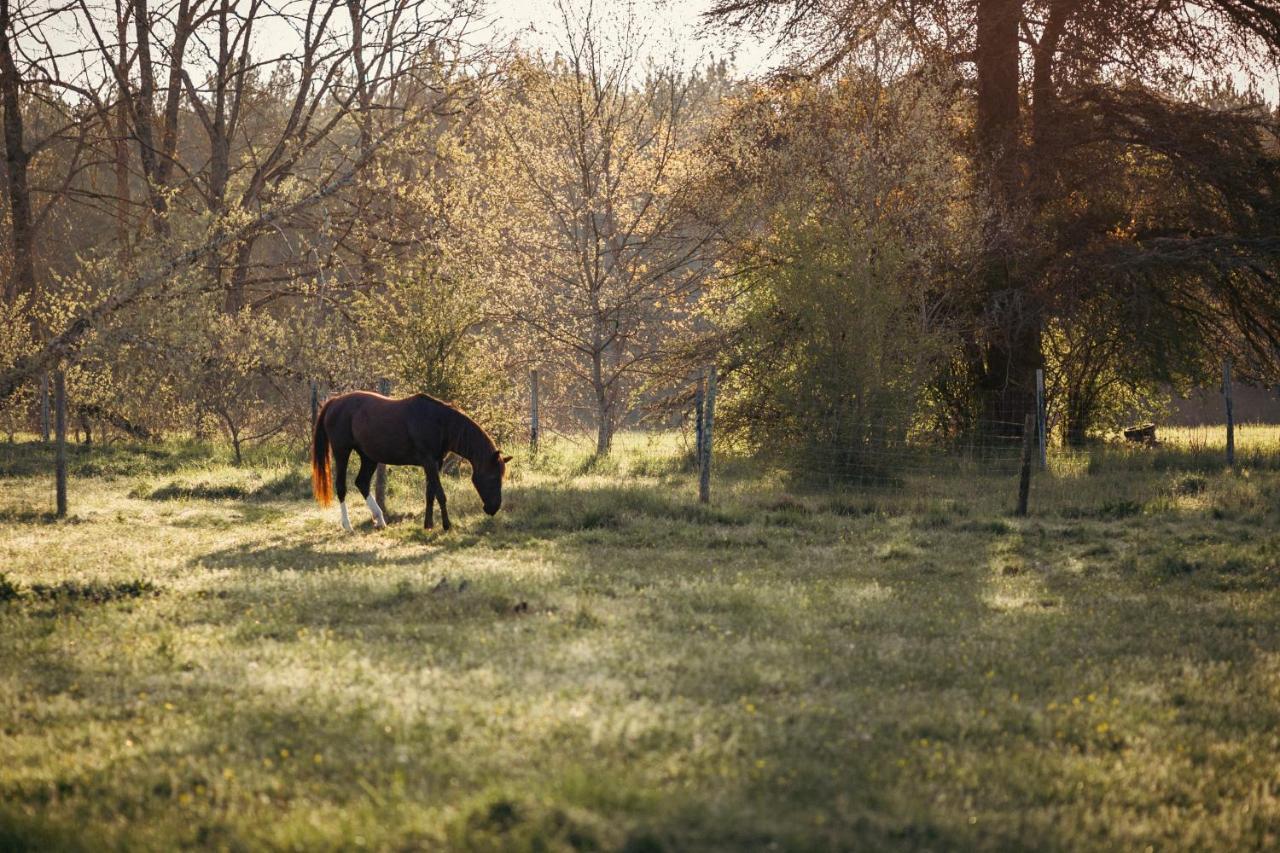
[15, 341]
[1099, 161]
[835, 320]
[601, 260]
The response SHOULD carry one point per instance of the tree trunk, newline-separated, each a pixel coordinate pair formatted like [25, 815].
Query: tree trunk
[144, 115]
[1078, 417]
[235, 293]
[23, 278]
[1008, 359]
[604, 413]
[604, 434]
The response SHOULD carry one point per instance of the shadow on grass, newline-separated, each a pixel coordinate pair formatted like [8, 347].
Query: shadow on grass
[306, 553]
[35, 459]
[704, 690]
[791, 696]
[28, 515]
[292, 485]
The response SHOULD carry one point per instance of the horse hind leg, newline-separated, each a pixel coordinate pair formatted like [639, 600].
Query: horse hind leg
[363, 478]
[340, 460]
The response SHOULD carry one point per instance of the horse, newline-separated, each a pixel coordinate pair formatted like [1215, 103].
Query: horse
[416, 430]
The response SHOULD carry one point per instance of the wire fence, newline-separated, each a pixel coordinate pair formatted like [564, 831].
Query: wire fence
[1104, 479]
[1000, 465]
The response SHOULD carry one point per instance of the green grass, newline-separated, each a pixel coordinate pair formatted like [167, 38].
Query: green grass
[200, 657]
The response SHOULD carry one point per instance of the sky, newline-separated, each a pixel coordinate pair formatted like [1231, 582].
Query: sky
[671, 23]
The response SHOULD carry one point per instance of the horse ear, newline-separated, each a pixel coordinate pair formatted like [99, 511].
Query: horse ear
[506, 459]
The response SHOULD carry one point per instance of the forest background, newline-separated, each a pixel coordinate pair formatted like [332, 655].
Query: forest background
[211, 205]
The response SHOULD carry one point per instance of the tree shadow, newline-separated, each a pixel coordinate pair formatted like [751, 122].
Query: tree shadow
[297, 553]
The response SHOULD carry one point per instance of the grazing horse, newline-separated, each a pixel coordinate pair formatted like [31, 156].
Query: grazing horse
[417, 430]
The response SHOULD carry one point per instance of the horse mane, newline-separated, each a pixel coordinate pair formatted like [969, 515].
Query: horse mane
[470, 439]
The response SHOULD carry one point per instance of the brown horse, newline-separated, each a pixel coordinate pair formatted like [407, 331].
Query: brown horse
[417, 430]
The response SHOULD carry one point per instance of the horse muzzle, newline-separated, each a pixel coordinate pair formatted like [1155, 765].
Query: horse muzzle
[492, 509]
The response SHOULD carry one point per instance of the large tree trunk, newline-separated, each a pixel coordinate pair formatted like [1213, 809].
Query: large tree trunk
[1005, 363]
[16, 160]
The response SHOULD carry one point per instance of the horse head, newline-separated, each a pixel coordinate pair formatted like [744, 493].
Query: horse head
[486, 476]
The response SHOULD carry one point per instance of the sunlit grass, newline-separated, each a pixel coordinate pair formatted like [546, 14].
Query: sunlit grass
[1261, 437]
[200, 657]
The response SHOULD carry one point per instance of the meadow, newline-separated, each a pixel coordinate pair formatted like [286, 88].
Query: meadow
[200, 657]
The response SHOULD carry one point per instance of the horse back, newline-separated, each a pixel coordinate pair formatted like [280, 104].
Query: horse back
[402, 431]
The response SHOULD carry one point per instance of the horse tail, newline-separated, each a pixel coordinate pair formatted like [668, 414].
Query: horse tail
[321, 479]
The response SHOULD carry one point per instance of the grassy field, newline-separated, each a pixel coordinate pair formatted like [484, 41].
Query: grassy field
[200, 657]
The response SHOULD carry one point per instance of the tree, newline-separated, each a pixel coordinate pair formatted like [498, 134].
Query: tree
[22, 280]
[601, 258]
[234, 163]
[1055, 85]
[831, 314]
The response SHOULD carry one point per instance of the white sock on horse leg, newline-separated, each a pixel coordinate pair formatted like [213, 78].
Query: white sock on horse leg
[379, 520]
[346, 522]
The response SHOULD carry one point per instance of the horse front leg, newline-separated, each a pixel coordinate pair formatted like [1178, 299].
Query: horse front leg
[431, 496]
[434, 487]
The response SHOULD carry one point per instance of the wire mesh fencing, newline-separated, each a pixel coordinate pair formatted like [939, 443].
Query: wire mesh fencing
[1102, 479]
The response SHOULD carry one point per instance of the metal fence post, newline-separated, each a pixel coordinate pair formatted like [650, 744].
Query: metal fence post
[704, 476]
[1040, 419]
[380, 473]
[1231, 423]
[315, 402]
[60, 436]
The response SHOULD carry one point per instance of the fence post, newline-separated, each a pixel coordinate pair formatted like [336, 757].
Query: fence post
[44, 407]
[698, 396]
[1024, 478]
[60, 436]
[1231, 423]
[315, 402]
[1040, 419]
[533, 411]
[380, 473]
[708, 425]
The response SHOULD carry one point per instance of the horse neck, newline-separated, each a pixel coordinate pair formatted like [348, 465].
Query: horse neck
[470, 441]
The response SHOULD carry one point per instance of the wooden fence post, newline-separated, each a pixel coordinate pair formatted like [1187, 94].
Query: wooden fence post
[380, 473]
[708, 419]
[315, 402]
[1024, 477]
[44, 407]
[1231, 423]
[1040, 419]
[533, 411]
[60, 437]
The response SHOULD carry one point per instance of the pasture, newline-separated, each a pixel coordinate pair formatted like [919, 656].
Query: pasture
[200, 657]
